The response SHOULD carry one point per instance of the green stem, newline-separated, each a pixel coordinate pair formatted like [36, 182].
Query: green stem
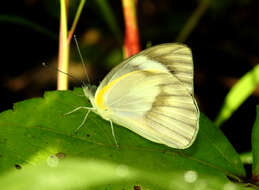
[193, 21]
[78, 13]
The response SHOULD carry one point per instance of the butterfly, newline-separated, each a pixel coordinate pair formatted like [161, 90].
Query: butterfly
[151, 94]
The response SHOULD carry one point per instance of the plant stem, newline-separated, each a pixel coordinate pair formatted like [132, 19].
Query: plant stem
[131, 43]
[75, 21]
[62, 79]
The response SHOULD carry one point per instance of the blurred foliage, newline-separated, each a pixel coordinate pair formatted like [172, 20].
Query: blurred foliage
[238, 94]
[255, 144]
[224, 40]
[28, 23]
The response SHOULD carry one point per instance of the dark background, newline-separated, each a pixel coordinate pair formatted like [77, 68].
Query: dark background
[224, 44]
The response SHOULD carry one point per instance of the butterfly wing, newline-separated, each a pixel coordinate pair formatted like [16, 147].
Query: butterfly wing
[152, 103]
[174, 58]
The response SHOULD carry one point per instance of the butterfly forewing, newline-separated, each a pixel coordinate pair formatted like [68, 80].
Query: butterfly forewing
[172, 57]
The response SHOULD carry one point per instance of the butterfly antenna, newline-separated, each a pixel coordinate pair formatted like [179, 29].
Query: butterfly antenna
[68, 74]
[82, 60]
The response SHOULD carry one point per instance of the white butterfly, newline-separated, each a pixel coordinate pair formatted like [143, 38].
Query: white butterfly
[151, 93]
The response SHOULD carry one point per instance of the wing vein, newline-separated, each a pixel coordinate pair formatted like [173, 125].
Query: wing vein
[188, 124]
[176, 132]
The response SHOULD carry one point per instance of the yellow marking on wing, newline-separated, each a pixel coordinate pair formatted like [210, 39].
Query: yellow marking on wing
[99, 97]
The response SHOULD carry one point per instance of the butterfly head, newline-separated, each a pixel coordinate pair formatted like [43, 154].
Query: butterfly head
[89, 92]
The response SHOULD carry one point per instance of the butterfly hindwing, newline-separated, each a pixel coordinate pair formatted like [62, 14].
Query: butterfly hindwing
[151, 93]
[154, 104]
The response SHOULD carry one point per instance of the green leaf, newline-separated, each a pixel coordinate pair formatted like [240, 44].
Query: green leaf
[36, 135]
[238, 94]
[255, 146]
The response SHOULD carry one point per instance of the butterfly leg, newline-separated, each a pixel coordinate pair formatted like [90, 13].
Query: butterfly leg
[78, 108]
[83, 122]
[86, 115]
[113, 134]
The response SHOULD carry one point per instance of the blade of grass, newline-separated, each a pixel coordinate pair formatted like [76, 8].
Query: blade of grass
[238, 94]
[193, 21]
[28, 23]
[110, 18]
